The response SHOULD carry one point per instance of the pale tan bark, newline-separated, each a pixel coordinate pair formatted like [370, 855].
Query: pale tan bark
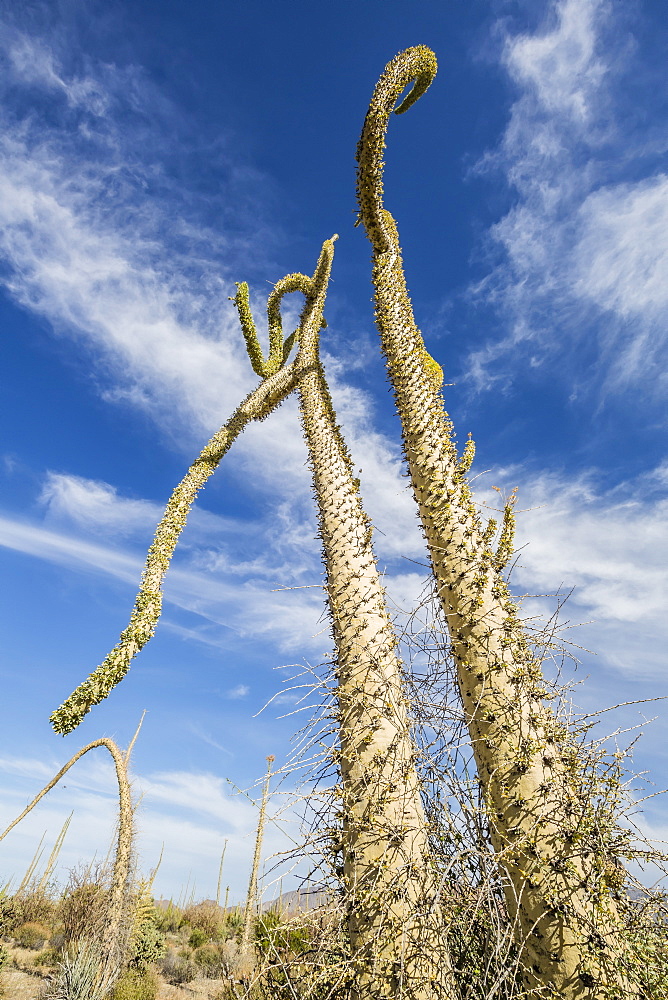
[115, 936]
[557, 891]
[251, 896]
[396, 930]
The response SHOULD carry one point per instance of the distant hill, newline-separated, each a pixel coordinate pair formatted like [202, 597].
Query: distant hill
[295, 901]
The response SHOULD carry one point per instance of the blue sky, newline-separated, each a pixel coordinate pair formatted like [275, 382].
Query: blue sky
[152, 154]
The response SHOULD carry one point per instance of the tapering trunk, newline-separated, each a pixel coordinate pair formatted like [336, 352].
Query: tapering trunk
[252, 897]
[397, 934]
[397, 937]
[557, 891]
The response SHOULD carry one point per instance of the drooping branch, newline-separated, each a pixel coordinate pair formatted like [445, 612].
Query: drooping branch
[417, 66]
[148, 603]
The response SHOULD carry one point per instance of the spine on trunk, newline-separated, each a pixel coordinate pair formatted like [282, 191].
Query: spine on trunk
[556, 863]
[396, 930]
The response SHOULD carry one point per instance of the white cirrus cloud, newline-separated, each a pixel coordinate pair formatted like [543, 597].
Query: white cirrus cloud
[582, 254]
[95, 505]
[562, 65]
[240, 691]
[621, 255]
[610, 547]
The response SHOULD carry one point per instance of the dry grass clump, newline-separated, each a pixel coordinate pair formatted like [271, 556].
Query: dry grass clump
[32, 935]
[85, 902]
[208, 918]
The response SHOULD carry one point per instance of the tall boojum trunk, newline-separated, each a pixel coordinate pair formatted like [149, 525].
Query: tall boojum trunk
[567, 921]
[396, 929]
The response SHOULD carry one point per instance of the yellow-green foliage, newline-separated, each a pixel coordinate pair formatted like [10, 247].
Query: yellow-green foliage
[135, 984]
[147, 943]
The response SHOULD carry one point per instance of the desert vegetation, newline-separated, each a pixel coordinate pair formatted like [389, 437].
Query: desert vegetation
[471, 837]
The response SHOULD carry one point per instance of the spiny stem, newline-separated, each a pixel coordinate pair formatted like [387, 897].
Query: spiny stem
[568, 925]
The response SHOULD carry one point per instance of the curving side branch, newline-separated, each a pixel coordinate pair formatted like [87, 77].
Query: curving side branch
[148, 603]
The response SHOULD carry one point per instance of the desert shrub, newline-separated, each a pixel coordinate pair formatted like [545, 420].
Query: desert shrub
[307, 956]
[4, 958]
[50, 956]
[147, 945]
[210, 960]
[649, 948]
[276, 936]
[136, 984]
[37, 907]
[27, 908]
[178, 968]
[146, 942]
[58, 938]
[238, 963]
[197, 938]
[233, 923]
[207, 917]
[10, 915]
[83, 907]
[168, 920]
[32, 935]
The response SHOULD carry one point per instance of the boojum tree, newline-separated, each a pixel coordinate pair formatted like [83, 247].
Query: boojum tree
[396, 929]
[559, 887]
[116, 926]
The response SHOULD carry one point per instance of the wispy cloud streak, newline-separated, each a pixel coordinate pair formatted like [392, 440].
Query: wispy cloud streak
[610, 548]
[582, 255]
